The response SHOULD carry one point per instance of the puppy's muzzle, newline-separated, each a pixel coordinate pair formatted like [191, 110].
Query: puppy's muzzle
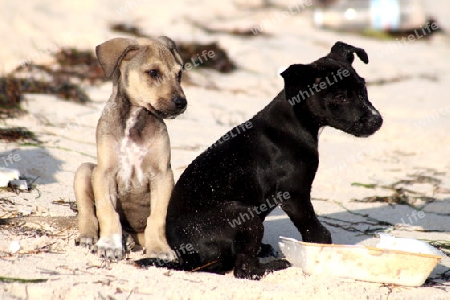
[375, 122]
[368, 124]
[176, 107]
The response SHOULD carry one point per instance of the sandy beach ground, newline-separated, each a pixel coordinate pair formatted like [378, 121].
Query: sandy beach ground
[408, 83]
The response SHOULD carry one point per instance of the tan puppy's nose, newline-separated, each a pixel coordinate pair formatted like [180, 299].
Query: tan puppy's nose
[180, 102]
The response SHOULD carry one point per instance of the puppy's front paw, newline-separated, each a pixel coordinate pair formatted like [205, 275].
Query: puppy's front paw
[317, 234]
[86, 241]
[161, 251]
[110, 247]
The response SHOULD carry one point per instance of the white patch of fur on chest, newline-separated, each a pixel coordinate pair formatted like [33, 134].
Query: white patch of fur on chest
[131, 156]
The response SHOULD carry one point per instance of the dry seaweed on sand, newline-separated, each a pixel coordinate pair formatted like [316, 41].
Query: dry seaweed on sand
[63, 89]
[10, 97]
[401, 194]
[243, 32]
[190, 51]
[80, 64]
[72, 67]
[441, 245]
[70, 63]
[14, 134]
[62, 78]
[405, 33]
[37, 226]
[71, 204]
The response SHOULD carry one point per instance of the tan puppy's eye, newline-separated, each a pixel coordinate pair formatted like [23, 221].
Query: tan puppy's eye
[154, 73]
[179, 75]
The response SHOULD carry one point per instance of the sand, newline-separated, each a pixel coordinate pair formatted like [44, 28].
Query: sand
[413, 142]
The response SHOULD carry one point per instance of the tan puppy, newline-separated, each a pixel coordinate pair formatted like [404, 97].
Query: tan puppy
[130, 186]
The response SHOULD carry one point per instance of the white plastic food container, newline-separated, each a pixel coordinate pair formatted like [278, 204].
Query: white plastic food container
[360, 262]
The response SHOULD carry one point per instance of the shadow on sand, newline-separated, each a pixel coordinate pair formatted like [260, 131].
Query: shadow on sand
[33, 163]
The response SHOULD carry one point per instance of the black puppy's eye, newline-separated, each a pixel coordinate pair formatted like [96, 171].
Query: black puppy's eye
[340, 98]
[153, 73]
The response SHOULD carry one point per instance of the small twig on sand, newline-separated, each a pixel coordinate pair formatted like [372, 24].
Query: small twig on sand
[204, 266]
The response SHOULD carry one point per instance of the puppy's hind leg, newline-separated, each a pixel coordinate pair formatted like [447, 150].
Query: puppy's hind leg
[87, 220]
[248, 240]
[226, 237]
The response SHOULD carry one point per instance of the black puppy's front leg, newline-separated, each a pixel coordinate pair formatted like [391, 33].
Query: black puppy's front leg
[300, 210]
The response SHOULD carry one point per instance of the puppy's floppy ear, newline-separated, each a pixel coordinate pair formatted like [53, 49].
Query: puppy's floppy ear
[172, 47]
[111, 53]
[345, 51]
[297, 77]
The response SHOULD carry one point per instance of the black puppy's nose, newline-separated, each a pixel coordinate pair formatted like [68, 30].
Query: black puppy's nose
[180, 102]
[375, 121]
[378, 121]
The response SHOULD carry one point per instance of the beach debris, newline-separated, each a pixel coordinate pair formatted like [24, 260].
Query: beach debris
[12, 181]
[20, 280]
[71, 64]
[71, 204]
[14, 134]
[22, 184]
[26, 212]
[444, 246]
[62, 78]
[365, 185]
[244, 32]
[19, 184]
[8, 174]
[14, 247]
[391, 16]
[325, 3]
[81, 64]
[381, 19]
[58, 83]
[191, 52]
[10, 97]
[218, 60]
[416, 188]
[428, 76]
[72, 67]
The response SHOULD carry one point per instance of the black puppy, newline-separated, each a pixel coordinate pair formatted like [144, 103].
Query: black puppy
[219, 203]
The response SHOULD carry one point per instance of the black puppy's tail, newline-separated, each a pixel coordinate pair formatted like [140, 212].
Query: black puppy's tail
[186, 262]
[160, 263]
[190, 262]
